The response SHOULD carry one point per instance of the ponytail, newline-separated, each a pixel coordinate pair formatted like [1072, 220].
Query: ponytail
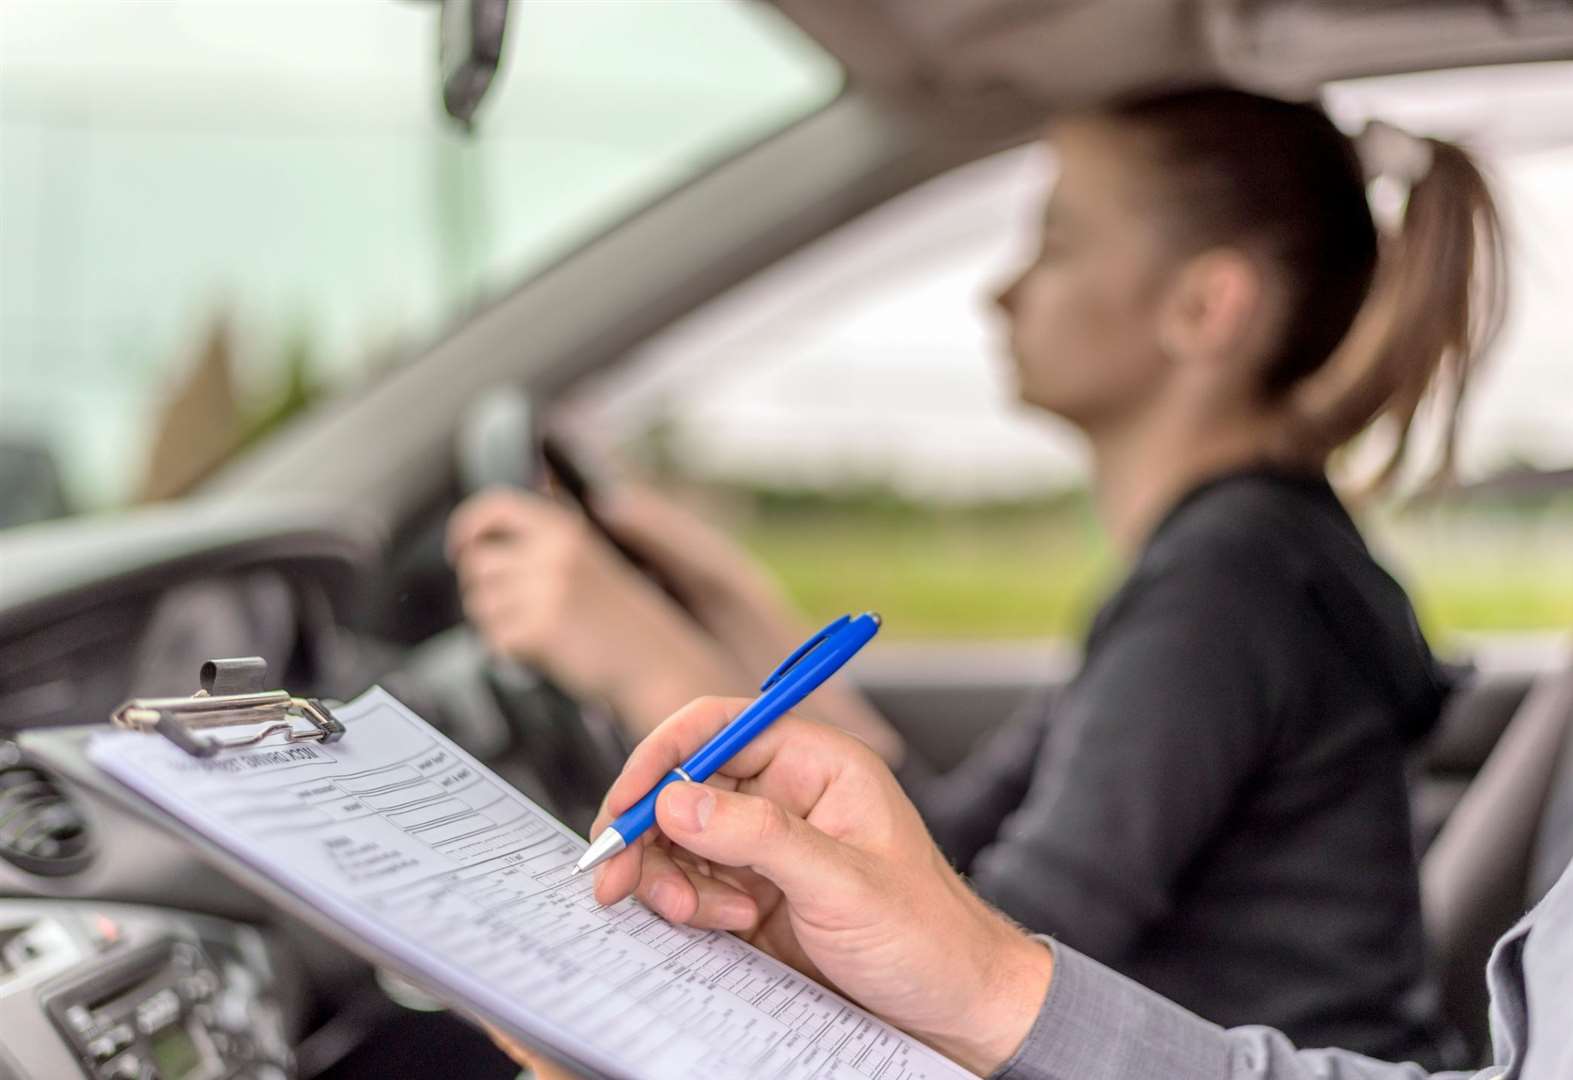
[1435, 307]
[1376, 326]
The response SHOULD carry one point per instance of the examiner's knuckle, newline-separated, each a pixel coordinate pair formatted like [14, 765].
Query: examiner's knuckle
[770, 825]
[698, 715]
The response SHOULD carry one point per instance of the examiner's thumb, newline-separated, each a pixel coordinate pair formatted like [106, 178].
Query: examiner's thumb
[749, 831]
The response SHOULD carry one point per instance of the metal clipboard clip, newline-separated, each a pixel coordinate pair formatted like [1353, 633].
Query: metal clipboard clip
[231, 694]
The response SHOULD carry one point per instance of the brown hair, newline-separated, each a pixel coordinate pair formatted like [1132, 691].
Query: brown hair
[1373, 324]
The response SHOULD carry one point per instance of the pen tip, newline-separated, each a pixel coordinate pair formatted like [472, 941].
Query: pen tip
[877, 620]
[609, 843]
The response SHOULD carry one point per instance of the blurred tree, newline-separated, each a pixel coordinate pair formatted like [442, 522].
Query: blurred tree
[199, 423]
[203, 423]
[301, 389]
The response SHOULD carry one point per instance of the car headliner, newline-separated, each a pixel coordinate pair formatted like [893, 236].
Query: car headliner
[1006, 61]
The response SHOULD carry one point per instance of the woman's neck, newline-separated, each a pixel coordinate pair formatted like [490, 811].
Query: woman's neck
[1141, 470]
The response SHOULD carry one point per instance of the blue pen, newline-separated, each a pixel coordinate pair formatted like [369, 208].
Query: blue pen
[818, 658]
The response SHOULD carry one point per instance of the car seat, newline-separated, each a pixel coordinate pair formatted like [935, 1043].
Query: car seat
[1476, 713]
[1476, 879]
[1554, 841]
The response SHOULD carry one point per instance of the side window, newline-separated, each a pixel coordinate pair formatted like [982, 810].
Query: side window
[851, 413]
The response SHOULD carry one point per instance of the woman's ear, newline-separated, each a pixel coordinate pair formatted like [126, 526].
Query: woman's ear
[1213, 312]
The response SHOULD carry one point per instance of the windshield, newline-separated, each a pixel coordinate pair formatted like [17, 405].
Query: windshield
[212, 213]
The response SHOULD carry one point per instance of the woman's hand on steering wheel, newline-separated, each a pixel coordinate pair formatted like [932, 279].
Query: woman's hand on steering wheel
[542, 587]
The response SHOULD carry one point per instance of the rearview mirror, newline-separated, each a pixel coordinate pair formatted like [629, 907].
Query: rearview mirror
[469, 50]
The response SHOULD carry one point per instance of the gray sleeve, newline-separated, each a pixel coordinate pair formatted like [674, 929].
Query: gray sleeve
[1097, 1025]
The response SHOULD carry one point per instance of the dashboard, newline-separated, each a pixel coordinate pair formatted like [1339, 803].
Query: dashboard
[122, 955]
[92, 611]
[119, 992]
[202, 978]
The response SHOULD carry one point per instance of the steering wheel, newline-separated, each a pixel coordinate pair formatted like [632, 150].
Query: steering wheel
[575, 749]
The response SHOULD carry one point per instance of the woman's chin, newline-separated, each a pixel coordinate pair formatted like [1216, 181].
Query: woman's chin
[1037, 400]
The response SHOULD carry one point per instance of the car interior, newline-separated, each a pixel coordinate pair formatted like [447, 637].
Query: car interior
[319, 548]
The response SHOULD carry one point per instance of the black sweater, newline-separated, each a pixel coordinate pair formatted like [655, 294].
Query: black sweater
[1216, 804]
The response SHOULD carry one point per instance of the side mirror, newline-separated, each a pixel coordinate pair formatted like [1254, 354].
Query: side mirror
[30, 488]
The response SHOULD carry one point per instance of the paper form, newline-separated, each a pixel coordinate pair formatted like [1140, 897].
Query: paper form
[413, 845]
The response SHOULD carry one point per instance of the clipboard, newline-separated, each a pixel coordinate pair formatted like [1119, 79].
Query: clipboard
[814, 1034]
[232, 693]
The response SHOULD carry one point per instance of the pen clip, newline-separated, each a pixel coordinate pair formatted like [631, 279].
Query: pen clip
[802, 650]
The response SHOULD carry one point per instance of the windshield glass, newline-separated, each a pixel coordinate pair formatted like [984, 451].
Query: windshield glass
[213, 212]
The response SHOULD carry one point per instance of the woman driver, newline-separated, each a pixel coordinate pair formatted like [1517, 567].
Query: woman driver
[1216, 804]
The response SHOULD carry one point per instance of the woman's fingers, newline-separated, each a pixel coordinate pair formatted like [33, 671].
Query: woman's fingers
[500, 519]
[488, 564]
[494, 512]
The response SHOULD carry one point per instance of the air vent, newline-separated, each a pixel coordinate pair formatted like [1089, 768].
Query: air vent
[41, 830]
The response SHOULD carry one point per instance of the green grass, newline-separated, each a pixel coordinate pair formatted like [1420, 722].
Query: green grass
[1484, 572]
[939, 581]
[1040, 571]
[1451, 602]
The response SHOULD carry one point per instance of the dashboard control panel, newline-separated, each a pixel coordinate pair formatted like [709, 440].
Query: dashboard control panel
[141, 994]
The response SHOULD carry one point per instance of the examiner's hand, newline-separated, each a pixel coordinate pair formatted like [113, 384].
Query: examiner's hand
[805, 845]
[542, 587]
